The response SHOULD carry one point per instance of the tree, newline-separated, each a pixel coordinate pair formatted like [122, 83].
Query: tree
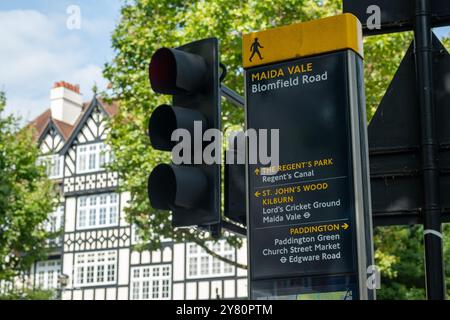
[147, 25]
[26, 199]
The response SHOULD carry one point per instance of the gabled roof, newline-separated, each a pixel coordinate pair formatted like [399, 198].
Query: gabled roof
[109, 109]
[41, 122]
[64, 128]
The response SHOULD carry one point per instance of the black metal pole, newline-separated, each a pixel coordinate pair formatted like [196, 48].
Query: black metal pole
[232, 96]
[435, 281]
[234, 228]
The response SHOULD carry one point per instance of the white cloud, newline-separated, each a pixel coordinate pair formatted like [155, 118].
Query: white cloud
[37, 50]
[98, 27]
[30, 106]
[87, 77]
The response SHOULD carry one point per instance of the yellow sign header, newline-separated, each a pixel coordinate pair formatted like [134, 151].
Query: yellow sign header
[302, 39]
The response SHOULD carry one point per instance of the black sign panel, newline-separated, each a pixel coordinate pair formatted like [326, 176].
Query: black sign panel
[395, 15]
[394, 143]
[302, 218]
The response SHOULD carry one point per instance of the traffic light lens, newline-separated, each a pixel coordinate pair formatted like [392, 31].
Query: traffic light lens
[162, 187]
[160, 127]
[173, 71]
[166, 119]
[163, 72]
[171, 186]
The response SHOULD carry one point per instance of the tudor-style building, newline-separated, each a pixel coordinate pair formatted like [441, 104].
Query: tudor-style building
[95, 253]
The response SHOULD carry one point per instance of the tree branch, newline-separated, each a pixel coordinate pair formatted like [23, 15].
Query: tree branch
[201, 242]
[218, 256]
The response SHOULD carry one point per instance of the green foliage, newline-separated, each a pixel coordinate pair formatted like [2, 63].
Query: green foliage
[400, 255]
[147, 25]
[382, 56]
[28, 294]
[26, 199]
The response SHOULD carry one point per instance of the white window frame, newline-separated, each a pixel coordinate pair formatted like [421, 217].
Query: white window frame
[53, 164]
[136, 238]
[93, 208]
[152, 282]
[89, 157]
[55, 223]
[200, 264]
[95, 268]
[47, 274]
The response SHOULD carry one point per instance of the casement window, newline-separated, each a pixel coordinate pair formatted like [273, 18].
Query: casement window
[136, 237]
[98, 211]
[92, 157]
[55, 223]
[151, 282]
[6, 287]
[201, 264]
[193, 266]
[47, 274]
[53, 165]
[23, 280]
[95, 268]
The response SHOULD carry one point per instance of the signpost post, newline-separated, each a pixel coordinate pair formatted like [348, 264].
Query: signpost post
[308, 218]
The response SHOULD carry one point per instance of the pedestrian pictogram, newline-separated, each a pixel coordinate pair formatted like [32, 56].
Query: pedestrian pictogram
[254, 49]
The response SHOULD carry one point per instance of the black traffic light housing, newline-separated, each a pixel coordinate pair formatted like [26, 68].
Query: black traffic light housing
[190, 74]
[234, 181]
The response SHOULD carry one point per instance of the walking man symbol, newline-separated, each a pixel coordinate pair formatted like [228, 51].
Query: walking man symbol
[254, 48]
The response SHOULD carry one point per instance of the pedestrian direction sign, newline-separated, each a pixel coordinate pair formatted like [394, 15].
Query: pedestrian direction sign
[309, 216]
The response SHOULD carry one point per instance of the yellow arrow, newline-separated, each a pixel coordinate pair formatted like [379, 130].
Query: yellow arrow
[257, 171]
[257, 194]
[345, 226]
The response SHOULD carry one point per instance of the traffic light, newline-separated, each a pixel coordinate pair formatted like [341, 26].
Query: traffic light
[190, 74]
[234, 181]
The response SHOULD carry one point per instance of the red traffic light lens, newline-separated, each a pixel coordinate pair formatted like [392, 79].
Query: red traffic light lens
[173, 71]
[163, 72]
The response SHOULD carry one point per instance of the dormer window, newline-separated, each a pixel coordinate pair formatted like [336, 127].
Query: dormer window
[92, 157]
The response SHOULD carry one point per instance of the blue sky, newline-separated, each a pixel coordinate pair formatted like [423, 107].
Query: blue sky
[38, 49]
[442, 32]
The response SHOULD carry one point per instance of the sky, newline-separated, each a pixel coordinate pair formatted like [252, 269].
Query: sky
[43, 41]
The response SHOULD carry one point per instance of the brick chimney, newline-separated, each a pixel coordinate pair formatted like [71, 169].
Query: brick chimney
[66, 102]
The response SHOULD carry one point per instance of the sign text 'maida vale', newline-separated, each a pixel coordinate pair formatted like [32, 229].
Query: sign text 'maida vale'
[281, 72]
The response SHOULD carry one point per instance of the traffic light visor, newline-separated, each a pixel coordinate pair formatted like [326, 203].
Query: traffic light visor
[166, 119]
[171, 186]
[173, 71]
